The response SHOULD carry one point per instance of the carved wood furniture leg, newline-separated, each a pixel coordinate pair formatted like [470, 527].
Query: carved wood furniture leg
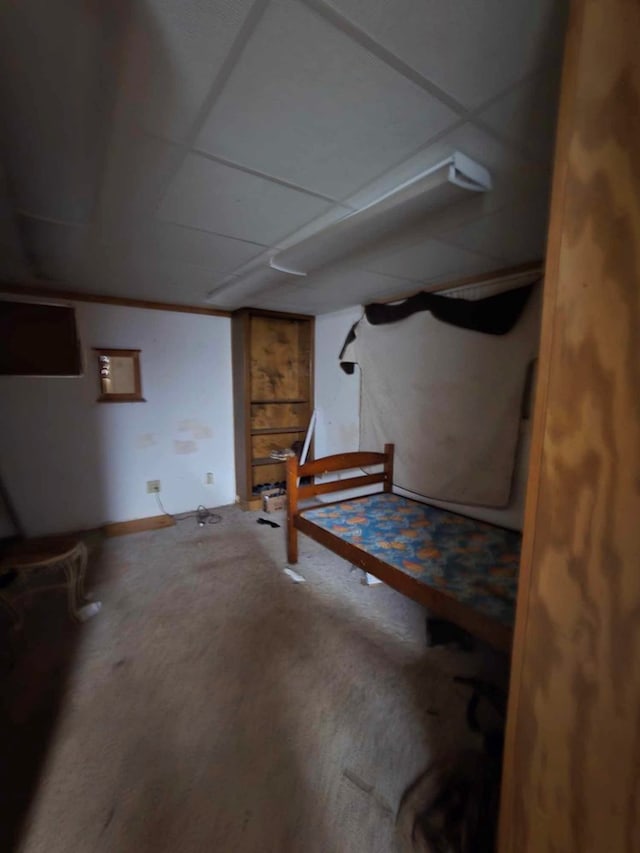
[292, 507]
[75, 566]
[81, 593]
[69, 555]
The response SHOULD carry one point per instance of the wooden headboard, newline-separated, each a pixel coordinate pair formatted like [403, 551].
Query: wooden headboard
[326, 465]
[339, 462]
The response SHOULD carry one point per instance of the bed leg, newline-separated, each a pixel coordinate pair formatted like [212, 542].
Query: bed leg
[388, 468]
[292, 508]
[292, 546]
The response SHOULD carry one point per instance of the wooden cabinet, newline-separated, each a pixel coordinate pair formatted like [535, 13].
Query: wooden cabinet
[272, 390]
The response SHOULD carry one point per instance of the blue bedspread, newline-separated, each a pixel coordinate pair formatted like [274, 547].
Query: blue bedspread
[474, 562]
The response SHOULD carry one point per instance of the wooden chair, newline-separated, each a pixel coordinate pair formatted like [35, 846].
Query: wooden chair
[28, 557]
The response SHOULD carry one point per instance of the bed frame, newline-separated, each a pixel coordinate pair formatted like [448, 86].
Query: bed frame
[439, 604]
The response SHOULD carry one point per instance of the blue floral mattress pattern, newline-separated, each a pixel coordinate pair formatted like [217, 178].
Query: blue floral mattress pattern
[474, 562]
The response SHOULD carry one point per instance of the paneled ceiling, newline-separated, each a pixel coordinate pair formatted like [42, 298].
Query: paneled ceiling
[164, 149]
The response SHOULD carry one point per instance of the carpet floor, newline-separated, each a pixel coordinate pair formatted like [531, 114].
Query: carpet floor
[214, 704]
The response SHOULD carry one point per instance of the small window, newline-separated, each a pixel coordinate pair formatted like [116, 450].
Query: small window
[119, 376]
[38, 340]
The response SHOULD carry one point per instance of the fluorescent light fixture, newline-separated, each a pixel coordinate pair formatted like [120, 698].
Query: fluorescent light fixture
[437, 187]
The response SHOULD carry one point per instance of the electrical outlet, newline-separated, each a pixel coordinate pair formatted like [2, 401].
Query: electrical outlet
[209, 479]
[153, 487]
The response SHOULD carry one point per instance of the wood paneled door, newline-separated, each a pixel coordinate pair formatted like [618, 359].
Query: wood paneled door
[272, 390]
[571, 779]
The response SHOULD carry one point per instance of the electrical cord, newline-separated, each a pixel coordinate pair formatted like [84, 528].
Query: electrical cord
[205, 516]
[202, 514]
[161, 505]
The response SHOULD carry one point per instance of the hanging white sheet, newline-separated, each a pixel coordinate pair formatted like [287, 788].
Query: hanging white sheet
[449, 399]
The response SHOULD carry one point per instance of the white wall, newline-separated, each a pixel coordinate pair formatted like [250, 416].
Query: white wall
[337, 395]
[338, 429]
[70, 463]
[337, 398]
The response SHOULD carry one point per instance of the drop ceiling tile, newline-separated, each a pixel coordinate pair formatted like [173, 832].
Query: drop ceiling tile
[14, 265]
[13, 259]
[174, 50]
[337, 288]
[285, 305]
[169, 282]
[55, 80]
[102, 270]
[527, 114]
[83, 263]
[220, 255]
[54, 249]
[515, 234]
[106, 269]
[138, 166]
[208, 195]
[427, 260]
[472, 49]
[309, 105]
[283, 302]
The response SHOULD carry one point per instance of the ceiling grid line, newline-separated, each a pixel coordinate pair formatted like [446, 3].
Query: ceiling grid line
[259, 174]
[381, 53]
[186, 145]
[26, 214]
[388, 58]
[97, 217]
[252, 264]
[378, 50]
[239, 121]
[197, 230]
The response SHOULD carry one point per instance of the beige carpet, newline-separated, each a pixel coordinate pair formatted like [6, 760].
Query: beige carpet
[216, 705]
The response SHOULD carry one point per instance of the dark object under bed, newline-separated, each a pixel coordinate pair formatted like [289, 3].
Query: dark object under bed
[462, 570]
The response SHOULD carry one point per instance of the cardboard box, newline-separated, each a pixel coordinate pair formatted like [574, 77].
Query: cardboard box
[271, 503]
[276, 490]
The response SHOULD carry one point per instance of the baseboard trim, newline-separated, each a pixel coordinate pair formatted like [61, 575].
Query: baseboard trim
[137, 525]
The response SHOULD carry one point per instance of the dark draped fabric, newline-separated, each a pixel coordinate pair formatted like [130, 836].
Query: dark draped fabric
[494, 315]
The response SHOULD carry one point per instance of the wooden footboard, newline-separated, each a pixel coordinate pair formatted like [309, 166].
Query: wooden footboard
[444, 603]
[326, 465]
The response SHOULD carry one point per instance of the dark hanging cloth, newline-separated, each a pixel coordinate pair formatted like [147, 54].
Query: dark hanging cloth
[348, 366]
[494, 315]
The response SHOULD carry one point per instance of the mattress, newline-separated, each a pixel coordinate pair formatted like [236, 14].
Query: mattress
[473, 562]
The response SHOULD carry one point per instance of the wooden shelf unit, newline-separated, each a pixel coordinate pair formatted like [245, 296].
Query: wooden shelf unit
[277, 430]
[272, 391]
